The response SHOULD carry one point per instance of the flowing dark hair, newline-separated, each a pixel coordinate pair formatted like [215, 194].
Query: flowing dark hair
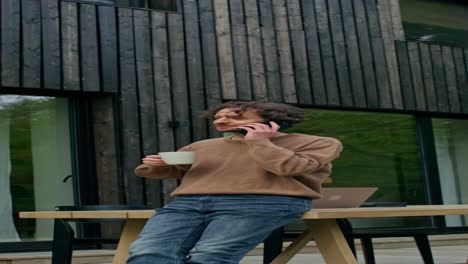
[270, 111]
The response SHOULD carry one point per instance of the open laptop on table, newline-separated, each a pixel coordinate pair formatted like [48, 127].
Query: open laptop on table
[343, 197]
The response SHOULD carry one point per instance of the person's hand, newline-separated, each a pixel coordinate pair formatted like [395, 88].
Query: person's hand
[260, 131]
[154, 160]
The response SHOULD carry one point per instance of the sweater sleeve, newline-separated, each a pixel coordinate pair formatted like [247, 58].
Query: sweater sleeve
[284, 162]
[163, 172]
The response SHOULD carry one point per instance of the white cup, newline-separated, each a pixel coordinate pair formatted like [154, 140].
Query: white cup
[179, 157]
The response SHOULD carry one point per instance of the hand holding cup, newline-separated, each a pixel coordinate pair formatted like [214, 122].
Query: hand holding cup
[170, 158]
[154, 160]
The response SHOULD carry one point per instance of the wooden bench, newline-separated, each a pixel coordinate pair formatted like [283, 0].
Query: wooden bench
[321, 226]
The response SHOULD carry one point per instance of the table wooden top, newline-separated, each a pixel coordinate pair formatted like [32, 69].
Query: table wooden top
[365, 212]
[112, 214]
[331, 213]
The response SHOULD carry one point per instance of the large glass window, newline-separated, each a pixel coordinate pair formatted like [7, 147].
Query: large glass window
[35, 163]
[452, 154]
[380, 150]
[438, 21]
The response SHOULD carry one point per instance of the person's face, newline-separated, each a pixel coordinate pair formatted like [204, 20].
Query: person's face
[227, 120]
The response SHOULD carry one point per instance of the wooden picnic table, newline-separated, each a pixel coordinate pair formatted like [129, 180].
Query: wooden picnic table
[321, 226]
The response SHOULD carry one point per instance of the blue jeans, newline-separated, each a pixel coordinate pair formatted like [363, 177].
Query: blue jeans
[212, 229]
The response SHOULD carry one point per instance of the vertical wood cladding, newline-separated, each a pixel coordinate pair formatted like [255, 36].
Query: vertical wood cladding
[433, 77]
[317, 53]
[131, 142]
[90, 72]
[10, 40]
[165, 68]
[31, 33]
[51, 52]
[108, 48]
[70, 47]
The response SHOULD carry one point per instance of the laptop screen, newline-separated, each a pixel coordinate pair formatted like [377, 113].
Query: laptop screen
[343, 197]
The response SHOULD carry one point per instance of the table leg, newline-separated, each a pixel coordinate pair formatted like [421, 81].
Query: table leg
[330, 241]
[62, 245]
[130, 233]
[293, 248]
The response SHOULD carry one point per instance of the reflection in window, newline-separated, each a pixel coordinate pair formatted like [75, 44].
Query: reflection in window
[167, 5]
[380, 150]
[34, 160]
[452, 153]
[437, 21]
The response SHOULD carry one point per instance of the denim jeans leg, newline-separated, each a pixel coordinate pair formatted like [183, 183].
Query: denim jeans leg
[238, 223]
[169, 235]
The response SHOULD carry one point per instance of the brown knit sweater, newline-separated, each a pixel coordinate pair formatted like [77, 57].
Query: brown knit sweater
[289, 164]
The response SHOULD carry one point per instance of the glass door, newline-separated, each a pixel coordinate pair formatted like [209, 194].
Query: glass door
[35, 163]
[452, 152]
[379, 150]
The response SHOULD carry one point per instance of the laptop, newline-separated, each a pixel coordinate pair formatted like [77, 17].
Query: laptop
[343, 197]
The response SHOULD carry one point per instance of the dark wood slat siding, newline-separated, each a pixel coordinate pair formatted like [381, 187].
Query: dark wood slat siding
[104, 128]
[439, 78]
[269, 51]
[366, 54]
[326, 47]
[179, 84]
[416, 74]
[90, 73]
[144, 73]
[225, 53]
[395, 15]
[383, 84]
[108, 48]
[314, 54]
[464, 88]
[255, 50]
[240, 50]
[353, 53]
[299, 51]
[462, 81]
[451, 78]
[70, 47]
[210, 61]
[10, 49]
[130, 131]
[195, 70]
[51, 44]
[384, 8]
[107, 165]
[362, 20]
[31, 30]
[283, 41]
[405, 75]
[162, 88]
[148, 122]
[428, 77]
[339, 50]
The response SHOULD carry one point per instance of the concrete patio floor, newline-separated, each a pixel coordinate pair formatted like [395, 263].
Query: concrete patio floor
[447, 254]
[442, 255]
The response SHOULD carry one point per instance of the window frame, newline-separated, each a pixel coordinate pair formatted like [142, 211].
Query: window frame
[83, 164]
[428, 159]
